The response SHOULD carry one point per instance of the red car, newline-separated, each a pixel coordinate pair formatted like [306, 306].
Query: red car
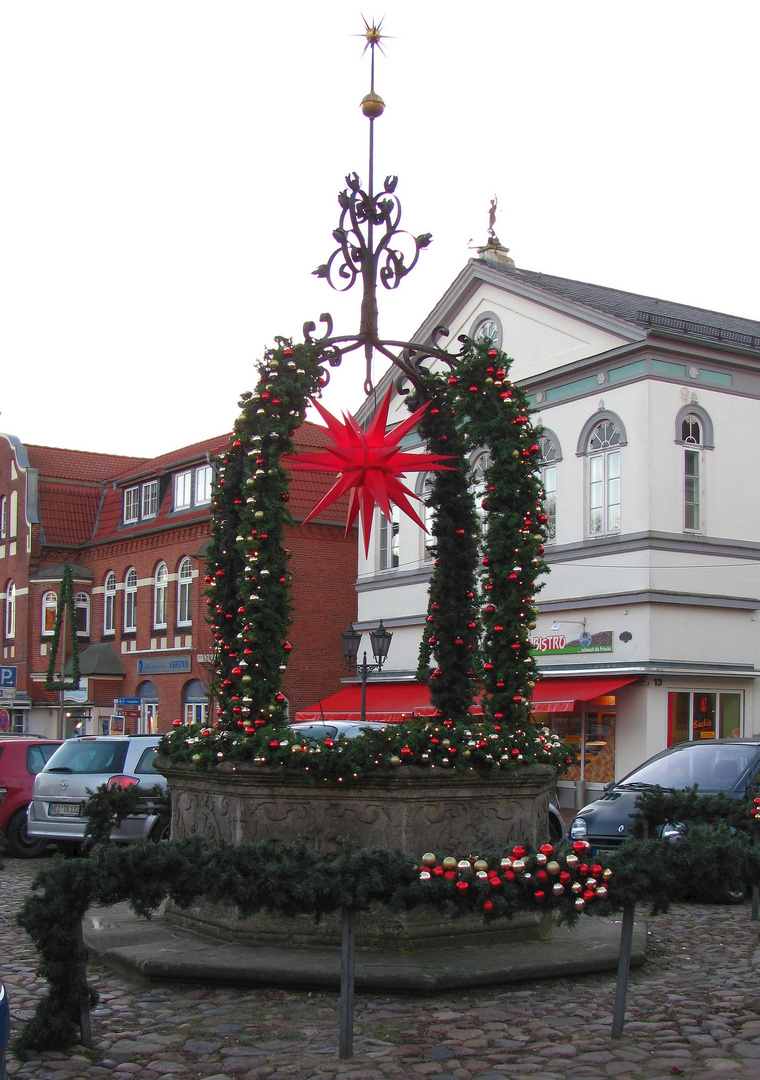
[21, 758]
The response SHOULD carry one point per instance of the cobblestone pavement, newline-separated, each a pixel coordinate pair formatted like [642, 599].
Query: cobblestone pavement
[693, 1011]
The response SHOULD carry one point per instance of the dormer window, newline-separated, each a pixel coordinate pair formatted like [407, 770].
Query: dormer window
[150, 499]
[131, 505]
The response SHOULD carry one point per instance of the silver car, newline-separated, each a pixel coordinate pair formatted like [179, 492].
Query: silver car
[80, 766]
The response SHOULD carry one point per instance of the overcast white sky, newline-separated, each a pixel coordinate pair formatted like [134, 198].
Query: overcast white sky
[170, 171]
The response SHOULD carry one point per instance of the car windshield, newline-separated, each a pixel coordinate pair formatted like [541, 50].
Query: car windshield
[712, 767]
[81, 756]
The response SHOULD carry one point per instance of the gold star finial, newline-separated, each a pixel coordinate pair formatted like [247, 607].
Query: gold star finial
[374, 35]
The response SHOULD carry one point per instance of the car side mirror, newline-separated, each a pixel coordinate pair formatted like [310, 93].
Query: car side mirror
[608, 786]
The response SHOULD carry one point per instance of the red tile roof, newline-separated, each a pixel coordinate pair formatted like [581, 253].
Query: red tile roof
[77, 514]
[68, 513]
[83, 465]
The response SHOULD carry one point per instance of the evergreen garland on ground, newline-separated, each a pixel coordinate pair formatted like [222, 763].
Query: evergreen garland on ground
[247, 563]
[65, 603]
[705, 864]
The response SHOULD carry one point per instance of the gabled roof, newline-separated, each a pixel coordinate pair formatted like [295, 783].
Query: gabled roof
[633, 307]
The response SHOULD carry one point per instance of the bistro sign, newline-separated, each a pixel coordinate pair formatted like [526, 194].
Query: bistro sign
[558, 644]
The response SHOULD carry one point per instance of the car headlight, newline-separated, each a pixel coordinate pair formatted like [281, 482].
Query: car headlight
[672, 830]
[578, 828]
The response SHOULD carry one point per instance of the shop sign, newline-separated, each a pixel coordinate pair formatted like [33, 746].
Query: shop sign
[161, 666]
[559, 645]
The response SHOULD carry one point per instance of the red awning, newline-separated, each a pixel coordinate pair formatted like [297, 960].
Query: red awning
[396, 701]
[391, 702]
[561, 694]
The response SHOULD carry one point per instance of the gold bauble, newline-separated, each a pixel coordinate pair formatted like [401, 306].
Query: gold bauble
[372, 105]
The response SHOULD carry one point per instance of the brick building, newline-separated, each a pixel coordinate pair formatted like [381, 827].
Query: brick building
[135, 532]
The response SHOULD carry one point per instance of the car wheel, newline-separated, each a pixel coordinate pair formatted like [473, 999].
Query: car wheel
[162, 829]
[18, 840]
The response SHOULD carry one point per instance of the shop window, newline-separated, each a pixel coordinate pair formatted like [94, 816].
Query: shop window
[49, 612]
[703, 715]
[160, 587]
[184, 583]
[109, 603]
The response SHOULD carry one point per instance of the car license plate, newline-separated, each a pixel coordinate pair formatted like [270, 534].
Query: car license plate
[59, 809]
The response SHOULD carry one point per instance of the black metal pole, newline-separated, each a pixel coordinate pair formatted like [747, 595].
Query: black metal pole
[347, 972]
[365, 672]
[624, 964]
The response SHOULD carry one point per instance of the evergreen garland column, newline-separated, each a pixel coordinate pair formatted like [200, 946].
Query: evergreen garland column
[247, 564]
[448, 659]
[496, 412]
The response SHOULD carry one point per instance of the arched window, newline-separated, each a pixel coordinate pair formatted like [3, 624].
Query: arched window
[184, 581]
[388, 540]
[109, 603]
[427, 515]
[691, 434]
[49, 612]
[603, 449]
[160, 582]
[130, 600]
[479, 487]
[550, 455]
[10, 610]
[694, 432]
[82, 614]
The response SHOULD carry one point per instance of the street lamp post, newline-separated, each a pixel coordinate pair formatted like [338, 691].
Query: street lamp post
[380, 639]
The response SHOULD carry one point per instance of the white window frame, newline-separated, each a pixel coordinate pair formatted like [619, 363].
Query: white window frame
[109, 603]
[183, 490]
[184, 587]
[130, 600]
[691, 435]
[160, 593]
[149, 500]
[388, 548]
[428, 513]
[10, 610]
[603, 489]
[203, 480]
[3, 516]
[131, 505]
[82, 603]
[49, 603]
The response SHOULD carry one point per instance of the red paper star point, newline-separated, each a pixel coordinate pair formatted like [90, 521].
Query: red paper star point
[369, 465]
